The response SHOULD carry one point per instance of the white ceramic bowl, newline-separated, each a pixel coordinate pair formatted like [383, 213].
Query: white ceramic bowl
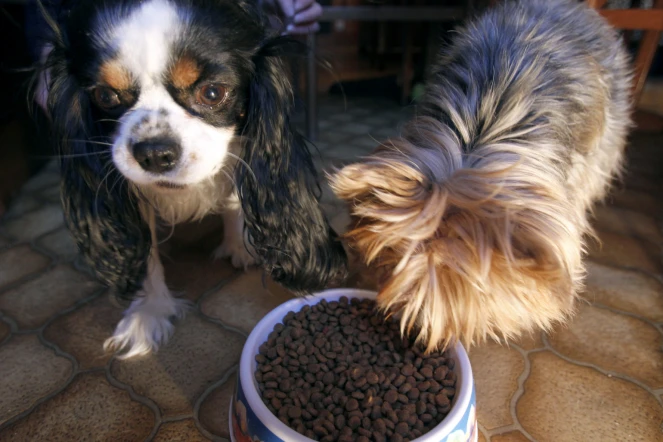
[251, 421]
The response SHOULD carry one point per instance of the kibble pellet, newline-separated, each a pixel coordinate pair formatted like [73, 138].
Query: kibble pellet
[340, 371]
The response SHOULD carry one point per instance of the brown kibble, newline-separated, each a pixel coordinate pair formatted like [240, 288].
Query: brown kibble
[440, 373]
[426, 371]
[425, 418]
[319, 430]
[391, 396]
[328, 378]
[407, 370]
[402, 428]
[379, 426]
[441, 400]
[413, 394]
[345, 374]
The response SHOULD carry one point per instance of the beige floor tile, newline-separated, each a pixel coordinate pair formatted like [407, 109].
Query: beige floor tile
[213, 413]
[21, 206]
[48, 179]
[625, 290]
[614, 342]
[35, 223]
[531, 341]
[5, 330]
[88, 408]
[496, 370]
[82, 332]
[180, 431]
[191, 273]
[199, 354]
[623, 251]
[628, 223]
[512, 436]
[34, 302]
[61, 244]
[18, 262]
[51, 194]
[29, 372]
[244, 301]
[566, 402]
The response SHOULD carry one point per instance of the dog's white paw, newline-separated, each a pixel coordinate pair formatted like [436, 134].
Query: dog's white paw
[147, 324]
[239, 256]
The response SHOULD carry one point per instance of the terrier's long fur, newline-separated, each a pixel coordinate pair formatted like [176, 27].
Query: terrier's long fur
[475, 215]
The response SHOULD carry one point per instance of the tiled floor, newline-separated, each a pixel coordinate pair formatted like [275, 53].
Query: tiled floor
[600, 378]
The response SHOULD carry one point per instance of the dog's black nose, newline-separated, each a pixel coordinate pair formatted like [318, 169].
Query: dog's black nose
[157, 155]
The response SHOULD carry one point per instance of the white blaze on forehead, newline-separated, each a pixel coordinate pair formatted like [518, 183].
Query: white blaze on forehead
[144, 39]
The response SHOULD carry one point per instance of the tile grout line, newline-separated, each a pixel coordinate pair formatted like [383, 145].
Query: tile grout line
[42, 400]
[148, 402]
[603, 371]
[30, 276]
[13, 327]
[520, 391]
[648, 321]
[207, 293]
[196, 407]
[176, 418]
[34, 243]
[483, 432]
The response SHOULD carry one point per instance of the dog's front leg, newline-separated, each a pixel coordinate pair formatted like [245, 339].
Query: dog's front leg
[147, 322]
[235, 245]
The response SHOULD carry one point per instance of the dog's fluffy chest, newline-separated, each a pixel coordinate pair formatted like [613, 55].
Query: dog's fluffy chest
[175, 206]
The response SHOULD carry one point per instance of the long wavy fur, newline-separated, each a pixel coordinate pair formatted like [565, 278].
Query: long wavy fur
[278, 189]
[475, 216]
[99, 209]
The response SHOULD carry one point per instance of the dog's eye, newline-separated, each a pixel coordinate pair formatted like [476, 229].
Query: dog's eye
[211, 94]
[106, 98]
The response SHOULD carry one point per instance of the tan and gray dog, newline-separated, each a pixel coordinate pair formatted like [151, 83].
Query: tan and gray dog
[476, 215]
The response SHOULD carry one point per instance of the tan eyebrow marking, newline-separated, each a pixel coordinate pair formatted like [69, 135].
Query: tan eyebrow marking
[115, 75]
[184, 72]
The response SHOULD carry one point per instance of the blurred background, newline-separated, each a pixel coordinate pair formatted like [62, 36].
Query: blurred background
[376, 56]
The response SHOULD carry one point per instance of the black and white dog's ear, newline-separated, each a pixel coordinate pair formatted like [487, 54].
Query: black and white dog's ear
[277, 184]
[99, 210]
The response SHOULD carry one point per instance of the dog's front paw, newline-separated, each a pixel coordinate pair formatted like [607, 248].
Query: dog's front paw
[240, 256]
[146, 325]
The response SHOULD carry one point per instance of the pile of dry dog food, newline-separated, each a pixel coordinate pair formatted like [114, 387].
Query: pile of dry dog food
[340, 371]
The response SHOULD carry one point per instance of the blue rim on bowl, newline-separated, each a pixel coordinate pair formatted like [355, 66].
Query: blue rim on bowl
[251, 418]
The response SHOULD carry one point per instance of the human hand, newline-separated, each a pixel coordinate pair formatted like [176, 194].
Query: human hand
[300, 16]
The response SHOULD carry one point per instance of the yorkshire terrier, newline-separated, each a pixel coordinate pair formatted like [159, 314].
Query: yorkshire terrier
[476, 215]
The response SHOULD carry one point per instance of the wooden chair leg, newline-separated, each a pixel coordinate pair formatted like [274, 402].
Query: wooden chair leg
[644, 59]
[598, 4]
[645, 56]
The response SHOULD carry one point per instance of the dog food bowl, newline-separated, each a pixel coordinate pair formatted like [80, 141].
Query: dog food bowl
[251, 421]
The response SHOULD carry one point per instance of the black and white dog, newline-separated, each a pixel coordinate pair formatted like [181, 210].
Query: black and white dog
[166, 111]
